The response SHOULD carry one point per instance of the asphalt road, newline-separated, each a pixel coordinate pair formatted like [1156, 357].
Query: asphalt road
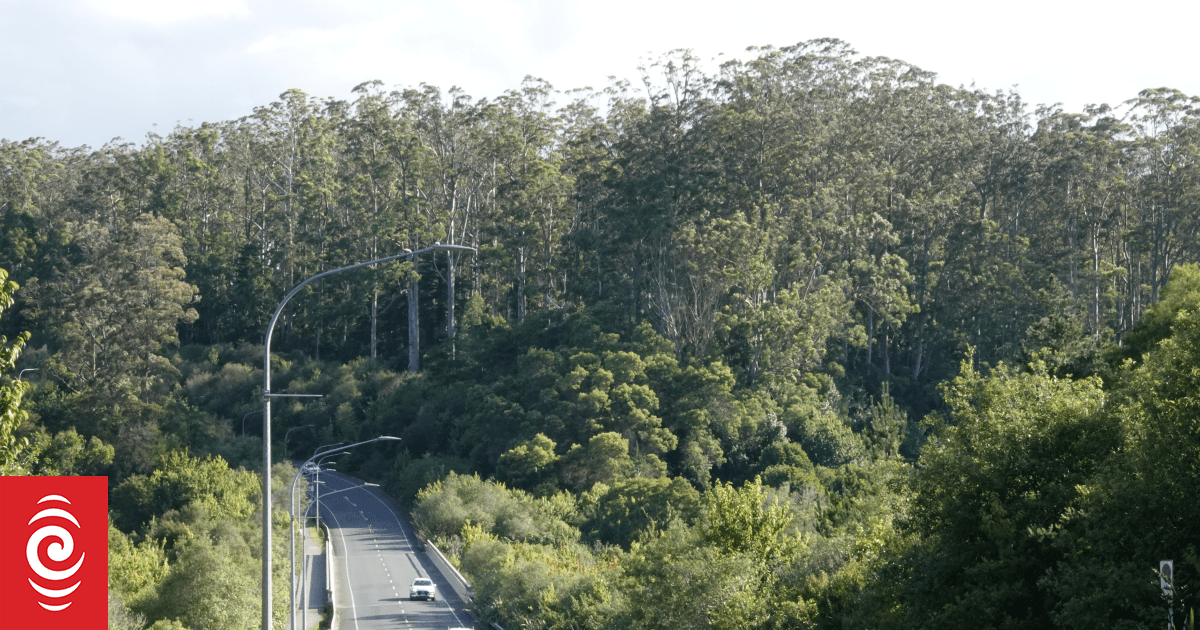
[374, 561]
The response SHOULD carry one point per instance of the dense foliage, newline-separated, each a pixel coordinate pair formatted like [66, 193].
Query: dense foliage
[810, 341]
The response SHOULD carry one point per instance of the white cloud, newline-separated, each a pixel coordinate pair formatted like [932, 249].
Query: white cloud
[115, 67]
[167, 12]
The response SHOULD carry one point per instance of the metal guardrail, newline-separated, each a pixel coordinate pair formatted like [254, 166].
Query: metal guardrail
[457, 581]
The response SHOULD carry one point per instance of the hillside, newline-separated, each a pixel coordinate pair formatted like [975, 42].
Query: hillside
[810, 342]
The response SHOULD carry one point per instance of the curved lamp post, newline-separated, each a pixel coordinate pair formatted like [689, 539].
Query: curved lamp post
[244, 420]
[322, 452]
[304, 604]
[289, 432]
[267, 612]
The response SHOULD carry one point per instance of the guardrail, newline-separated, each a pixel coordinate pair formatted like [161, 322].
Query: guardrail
[457, 581]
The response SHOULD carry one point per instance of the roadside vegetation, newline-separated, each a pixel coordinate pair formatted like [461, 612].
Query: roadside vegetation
[812, 341]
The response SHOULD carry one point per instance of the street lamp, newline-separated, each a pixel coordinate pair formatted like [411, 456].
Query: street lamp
[244, 420]
[317, 481]
[289, 432]
[361, 485]
[267, 612]
[22, 373]
[304, 603]
[320, 454]
[317, 516]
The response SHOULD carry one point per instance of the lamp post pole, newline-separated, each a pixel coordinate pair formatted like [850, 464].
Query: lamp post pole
[292, 509]
[303, 585]
[292, 513]
[317, 473]
[267, 595]
[323, 451]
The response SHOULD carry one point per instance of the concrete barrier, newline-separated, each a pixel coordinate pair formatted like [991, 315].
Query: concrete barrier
[329, 569]
[457, 581]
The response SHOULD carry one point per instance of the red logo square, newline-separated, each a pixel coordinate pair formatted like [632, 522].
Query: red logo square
[53, 553]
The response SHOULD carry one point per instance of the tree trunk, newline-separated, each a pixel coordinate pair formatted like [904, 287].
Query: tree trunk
[450, 330]
[521, 284]
[414, 324]
[916, 371]
[887, 359]
[1154, 270]
[1096, 281]
[870, 333]
[320, 320]
[374, 320]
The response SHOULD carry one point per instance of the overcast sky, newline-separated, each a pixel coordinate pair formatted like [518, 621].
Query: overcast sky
[85, 71]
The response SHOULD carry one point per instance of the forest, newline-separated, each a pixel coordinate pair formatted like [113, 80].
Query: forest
[806, 340]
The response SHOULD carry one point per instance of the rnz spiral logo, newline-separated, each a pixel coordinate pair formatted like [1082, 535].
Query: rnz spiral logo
[54, 550]
[61, 550]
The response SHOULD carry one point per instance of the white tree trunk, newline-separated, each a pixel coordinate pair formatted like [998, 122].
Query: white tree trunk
[450, 330]
[414, 325]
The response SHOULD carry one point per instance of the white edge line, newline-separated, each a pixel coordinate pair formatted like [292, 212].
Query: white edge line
[410, 542]
[349, 585]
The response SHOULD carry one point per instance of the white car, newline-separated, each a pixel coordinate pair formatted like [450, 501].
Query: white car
[422, 588]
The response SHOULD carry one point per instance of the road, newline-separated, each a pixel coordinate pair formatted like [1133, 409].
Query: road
[375, 559]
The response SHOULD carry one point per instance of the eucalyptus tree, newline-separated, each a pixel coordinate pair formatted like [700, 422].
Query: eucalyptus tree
[268, 146]
[1005, 185]
[809, 216]
[923, 140]
[1086, 170]
[207, 186]
[113, 309]
[374, 173]
[276, 152]
[450, 136]
[322, 229]
[677, 244]
[419, 109]
[215, 228]
[532, 207]
[586, 147]
[35, 179]
[1167, 158]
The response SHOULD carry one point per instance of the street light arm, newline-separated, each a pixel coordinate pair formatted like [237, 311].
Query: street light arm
[365, 485]
[339, 452]
[289, 432]
[334, 454]
[327, 447]
[279, 309]
[378, 439]
[266, 516]
[324, 451]
[248, 413]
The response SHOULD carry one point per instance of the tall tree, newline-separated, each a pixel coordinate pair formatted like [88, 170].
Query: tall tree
[114, 309]
[11, 414]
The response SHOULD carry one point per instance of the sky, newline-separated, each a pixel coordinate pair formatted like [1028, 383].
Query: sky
[87, 71]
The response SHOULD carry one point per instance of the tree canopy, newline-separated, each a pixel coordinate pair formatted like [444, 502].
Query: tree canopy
[803, 340]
